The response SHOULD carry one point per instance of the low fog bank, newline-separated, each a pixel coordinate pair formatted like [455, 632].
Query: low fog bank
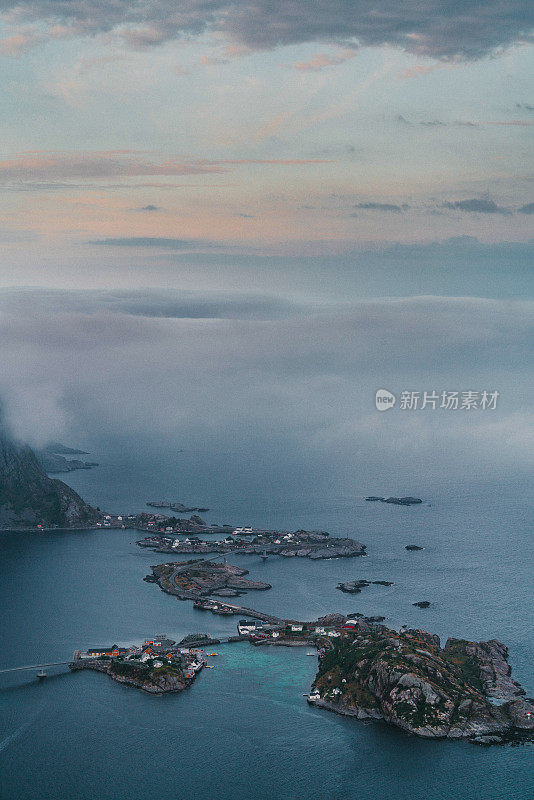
[270, 398]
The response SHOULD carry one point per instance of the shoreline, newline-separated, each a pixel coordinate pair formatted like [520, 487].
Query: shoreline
[408, 680]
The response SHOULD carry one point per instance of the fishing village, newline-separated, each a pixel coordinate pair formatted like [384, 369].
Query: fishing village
[365, 670]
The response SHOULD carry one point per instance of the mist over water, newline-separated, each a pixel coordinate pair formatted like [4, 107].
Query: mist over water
[270, 397]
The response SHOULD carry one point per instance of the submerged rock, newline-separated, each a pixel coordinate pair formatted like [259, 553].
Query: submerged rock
[487, 740]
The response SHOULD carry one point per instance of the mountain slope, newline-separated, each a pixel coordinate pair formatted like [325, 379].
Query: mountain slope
[28, 497]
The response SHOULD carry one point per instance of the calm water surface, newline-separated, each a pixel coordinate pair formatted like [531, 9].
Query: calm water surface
[244, 729]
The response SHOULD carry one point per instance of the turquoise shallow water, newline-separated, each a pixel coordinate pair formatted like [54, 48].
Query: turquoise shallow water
[244, 730]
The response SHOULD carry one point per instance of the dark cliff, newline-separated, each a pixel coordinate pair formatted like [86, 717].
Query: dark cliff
[28, 497]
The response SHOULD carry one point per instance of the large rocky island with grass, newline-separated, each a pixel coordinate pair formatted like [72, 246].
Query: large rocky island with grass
[461, 690]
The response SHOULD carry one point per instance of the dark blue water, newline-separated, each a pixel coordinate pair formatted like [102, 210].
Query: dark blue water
[244, 730]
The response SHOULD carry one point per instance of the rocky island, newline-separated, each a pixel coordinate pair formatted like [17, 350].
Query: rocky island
[53, 458]
[300, 544]
[192, 580]
[463, 690]
[175, 506]
[156, 667]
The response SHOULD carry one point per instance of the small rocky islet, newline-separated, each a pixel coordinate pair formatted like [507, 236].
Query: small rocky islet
[396, 501]
[174, 505]
[355, 587]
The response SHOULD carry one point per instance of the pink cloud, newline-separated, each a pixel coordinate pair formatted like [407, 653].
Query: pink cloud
[27, 36]
[322, 60]
[47, 166]
[53, 166]
[17, 43]
[207, 61]
[417, 71]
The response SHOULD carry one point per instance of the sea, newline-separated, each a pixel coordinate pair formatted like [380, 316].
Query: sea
[244, 731]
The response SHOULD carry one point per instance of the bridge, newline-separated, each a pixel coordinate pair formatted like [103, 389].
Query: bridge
[195, 643]
[34, 666]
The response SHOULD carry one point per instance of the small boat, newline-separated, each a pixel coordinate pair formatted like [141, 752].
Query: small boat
[311, 654]
[209, 666]
[212, 654]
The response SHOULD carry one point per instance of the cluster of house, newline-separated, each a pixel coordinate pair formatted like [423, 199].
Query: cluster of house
[116, 521]
[258, 631]
[160, 651]
[234, 539]
[153, 522]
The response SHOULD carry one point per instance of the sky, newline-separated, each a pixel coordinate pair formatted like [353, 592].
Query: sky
[256, 215]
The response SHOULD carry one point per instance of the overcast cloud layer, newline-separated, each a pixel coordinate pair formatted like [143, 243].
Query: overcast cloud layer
[436, 28]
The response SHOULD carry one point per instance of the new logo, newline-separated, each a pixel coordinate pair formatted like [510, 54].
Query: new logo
[384, 400]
